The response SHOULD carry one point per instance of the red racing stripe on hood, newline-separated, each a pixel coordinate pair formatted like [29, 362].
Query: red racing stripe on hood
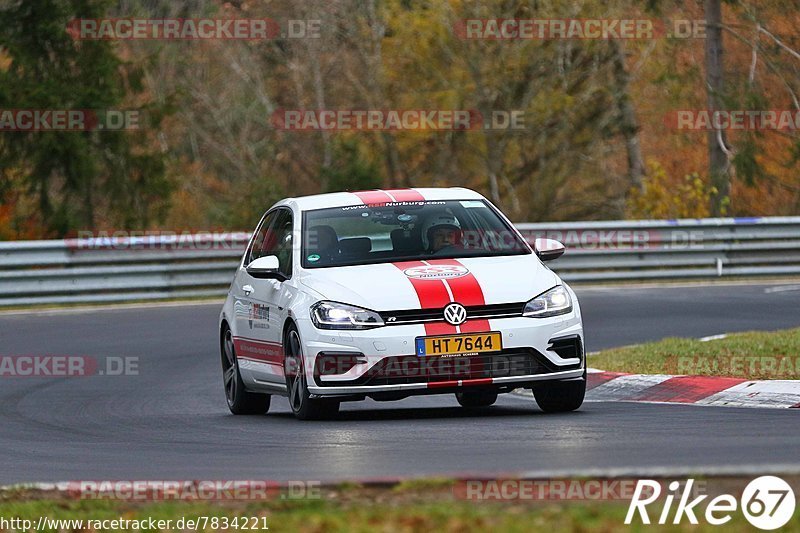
[432, 294]
[466, 291]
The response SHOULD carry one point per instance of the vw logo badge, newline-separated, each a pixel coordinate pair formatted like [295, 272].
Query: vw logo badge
[455, 314]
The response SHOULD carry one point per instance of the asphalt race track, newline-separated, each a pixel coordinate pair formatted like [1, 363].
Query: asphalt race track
[171, 422]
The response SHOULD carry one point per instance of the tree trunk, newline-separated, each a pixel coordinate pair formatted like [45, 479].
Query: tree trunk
[717, 159]
[494, 163]
[629, 126]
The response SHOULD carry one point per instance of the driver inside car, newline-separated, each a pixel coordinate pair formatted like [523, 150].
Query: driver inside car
[442, 232]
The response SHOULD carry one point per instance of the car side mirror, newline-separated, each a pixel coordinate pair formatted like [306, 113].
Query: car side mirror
[267, 267]
[548, 249]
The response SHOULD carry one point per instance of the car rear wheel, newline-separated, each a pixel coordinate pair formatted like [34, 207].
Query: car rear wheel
[560, 396]
[303, 406]
[240, 401]
[478, 398]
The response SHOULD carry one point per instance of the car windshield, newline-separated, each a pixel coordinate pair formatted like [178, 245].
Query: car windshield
[406, 231]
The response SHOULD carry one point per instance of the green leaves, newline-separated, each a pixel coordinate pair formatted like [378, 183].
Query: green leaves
[80, 178]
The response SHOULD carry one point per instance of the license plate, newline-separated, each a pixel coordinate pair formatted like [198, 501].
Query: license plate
[460, 344]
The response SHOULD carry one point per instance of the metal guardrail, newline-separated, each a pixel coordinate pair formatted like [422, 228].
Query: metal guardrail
[638, 250]
[165, 266]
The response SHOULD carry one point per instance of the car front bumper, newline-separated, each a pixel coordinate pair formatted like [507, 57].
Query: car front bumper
[382, 360]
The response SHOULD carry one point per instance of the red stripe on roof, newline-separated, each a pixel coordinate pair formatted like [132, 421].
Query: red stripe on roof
[373, 197]
[687, 389]
[406, 195]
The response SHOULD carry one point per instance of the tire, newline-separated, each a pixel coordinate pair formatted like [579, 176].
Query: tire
[302, 405]
[560, 396]
[240, 401]
[478, 398]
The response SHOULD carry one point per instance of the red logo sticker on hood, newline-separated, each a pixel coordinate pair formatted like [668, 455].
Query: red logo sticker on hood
[436, 272]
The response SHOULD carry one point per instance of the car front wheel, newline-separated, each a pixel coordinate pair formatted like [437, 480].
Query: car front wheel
[303, 406]
[240, 401]
[560, 396]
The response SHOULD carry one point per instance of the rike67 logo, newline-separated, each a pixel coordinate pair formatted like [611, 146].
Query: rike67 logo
[767, 502]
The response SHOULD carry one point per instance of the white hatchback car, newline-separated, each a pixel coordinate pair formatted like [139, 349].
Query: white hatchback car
[392, 293]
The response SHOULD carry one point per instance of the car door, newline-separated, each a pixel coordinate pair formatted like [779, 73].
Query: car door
[262, 302]
[245, 340]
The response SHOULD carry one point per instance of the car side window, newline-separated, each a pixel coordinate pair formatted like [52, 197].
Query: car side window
[274, 237]
[256, 247]
[282, 243]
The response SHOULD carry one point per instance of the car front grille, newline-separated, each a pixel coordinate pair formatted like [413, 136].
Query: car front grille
[411, 369]
[419, 316]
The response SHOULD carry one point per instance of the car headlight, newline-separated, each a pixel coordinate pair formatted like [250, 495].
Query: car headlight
[554, 302]
[333, 315]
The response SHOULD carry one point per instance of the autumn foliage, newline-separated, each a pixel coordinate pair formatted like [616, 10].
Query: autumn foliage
[594, 143]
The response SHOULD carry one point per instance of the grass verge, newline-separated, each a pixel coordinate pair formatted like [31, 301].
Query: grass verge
[352, 508]
[750, 355]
